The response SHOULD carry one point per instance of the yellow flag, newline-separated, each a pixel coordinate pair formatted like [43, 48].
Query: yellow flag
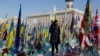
[22, 30]
[6, 26]
[11, 35]
[10, 39]
[44, 34]
[28, 37]
[53, 17]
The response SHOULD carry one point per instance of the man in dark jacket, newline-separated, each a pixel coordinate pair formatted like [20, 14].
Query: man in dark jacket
[55, 36]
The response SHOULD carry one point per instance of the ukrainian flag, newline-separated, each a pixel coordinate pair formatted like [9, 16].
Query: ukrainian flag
[10, 36]
[22, 29]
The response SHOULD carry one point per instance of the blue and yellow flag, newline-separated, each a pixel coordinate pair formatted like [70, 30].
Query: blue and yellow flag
[11, 35]
[17, 39]
[22, 29]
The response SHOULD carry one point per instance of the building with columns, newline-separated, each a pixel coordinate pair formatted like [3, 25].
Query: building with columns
[63, 16]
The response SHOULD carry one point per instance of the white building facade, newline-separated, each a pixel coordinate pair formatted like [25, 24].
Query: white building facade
[2, 20]
[63, 16]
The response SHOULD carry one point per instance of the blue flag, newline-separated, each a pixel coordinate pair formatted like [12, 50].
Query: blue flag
[72, 23]
[17, 39]
[22, 33]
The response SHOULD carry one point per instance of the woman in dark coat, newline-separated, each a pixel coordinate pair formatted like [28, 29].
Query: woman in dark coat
[55, 36]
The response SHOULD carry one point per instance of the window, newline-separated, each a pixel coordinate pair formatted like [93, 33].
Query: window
[71, 6]
[67, 6]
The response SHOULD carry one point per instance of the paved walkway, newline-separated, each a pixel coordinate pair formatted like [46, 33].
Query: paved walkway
[55, 54]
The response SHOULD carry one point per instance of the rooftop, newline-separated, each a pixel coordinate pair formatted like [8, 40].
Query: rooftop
[58, 11]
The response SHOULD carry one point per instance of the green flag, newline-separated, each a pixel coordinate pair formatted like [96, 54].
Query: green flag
[87, 17]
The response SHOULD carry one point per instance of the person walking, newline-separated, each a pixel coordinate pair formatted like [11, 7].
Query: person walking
[55, 36]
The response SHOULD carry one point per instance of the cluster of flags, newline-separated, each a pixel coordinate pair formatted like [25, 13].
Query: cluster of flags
[85, 29]
[96, 29]
[10, 36]
[88, 25]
